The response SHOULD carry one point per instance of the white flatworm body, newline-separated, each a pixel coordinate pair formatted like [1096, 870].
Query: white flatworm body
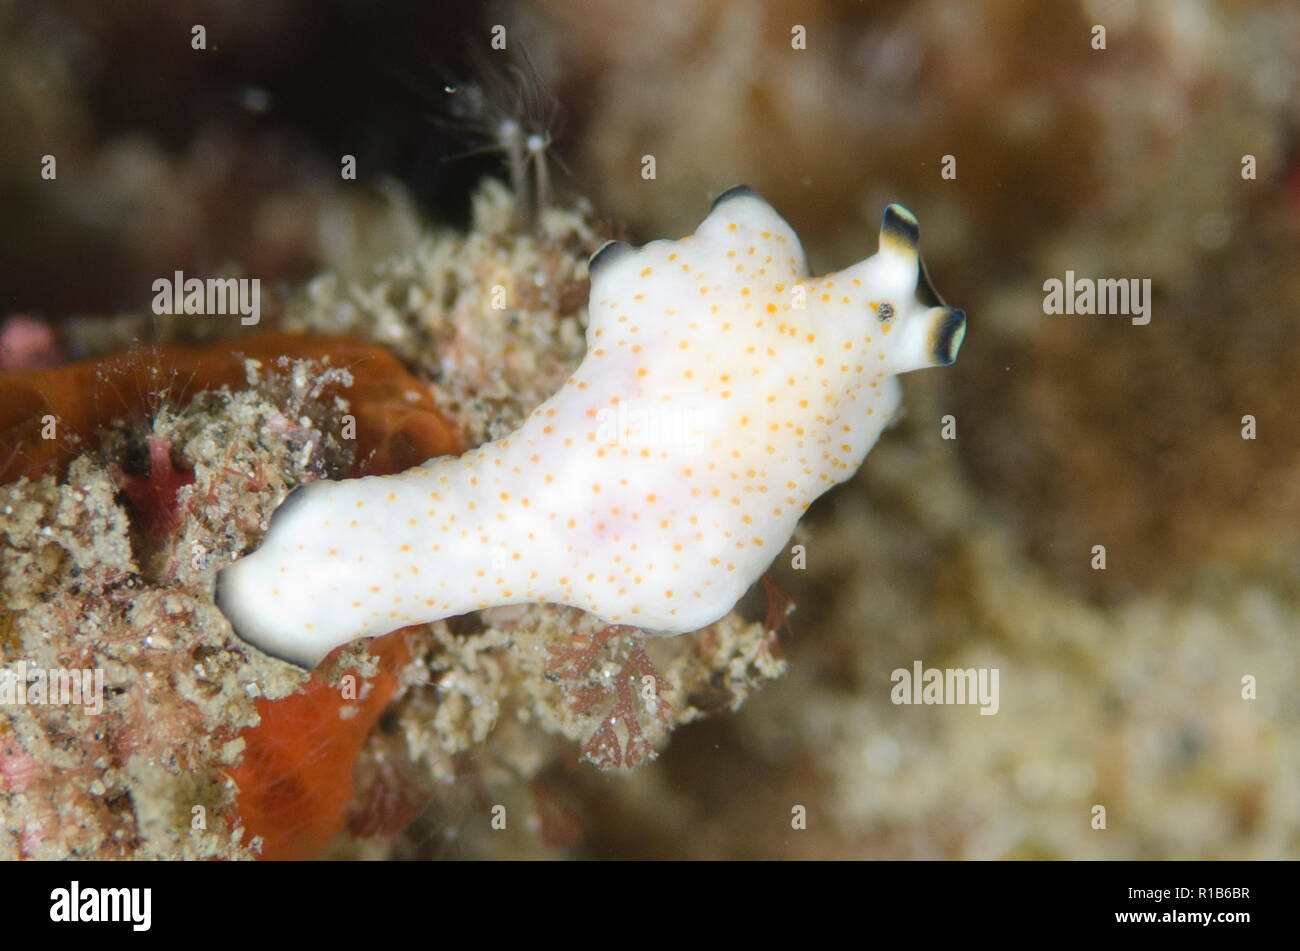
[723, 390]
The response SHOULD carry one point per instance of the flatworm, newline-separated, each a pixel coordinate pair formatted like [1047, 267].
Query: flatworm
[723, 390]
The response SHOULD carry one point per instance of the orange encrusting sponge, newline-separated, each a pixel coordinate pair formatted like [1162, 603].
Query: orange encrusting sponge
[398, 423]
[295, 782]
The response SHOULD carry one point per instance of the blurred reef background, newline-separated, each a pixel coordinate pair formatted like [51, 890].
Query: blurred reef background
[1120, 687]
